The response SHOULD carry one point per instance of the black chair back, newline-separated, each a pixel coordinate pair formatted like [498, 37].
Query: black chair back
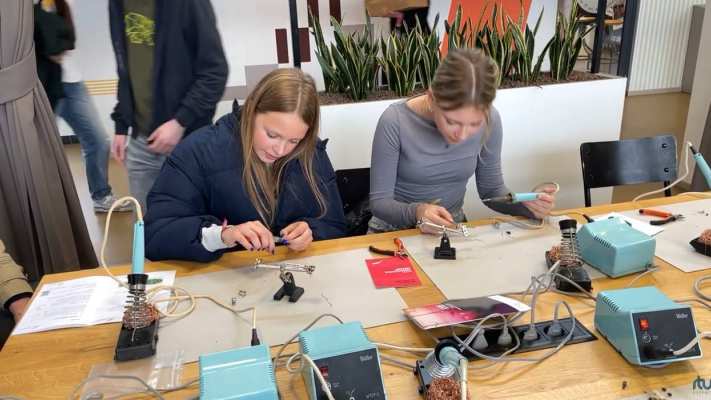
[626, 162]
[354, 188]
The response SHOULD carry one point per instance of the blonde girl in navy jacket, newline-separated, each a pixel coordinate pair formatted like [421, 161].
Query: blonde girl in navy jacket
[259, 173]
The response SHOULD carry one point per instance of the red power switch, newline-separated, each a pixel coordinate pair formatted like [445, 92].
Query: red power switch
[643, 324]
[324, 371]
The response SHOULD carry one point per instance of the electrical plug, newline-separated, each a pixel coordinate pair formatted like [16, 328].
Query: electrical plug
[480, 342]
[555, 329]
[531, 334]
[505, 338]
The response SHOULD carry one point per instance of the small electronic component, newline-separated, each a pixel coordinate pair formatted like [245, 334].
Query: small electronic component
[289, 287]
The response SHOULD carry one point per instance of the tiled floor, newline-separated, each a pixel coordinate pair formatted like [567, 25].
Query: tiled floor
[644, 116]
[118, 249]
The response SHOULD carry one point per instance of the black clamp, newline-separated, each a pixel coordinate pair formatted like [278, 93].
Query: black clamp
[289, 288]
[445, 251]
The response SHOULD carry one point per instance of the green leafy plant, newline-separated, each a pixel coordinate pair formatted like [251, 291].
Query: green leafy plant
[349, 63]
[458, 35]
[429, 46]
[323, 55]
[355, 58]
[564, 47]
[524, 69]
[496, 40]
[401, 60]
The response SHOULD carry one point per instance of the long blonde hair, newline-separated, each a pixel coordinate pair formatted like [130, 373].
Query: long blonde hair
[466, 77]
[286, 90]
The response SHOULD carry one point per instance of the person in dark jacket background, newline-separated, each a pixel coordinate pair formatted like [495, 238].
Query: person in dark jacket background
[258, 173]
[54, 34]
[172, 72]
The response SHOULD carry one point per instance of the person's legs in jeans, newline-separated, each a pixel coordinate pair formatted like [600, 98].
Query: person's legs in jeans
[143, 168]
[78, 110]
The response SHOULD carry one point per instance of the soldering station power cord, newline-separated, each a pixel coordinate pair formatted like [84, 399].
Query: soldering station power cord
[156, 393]
[174, 300]
[179, 295]
[698, 282]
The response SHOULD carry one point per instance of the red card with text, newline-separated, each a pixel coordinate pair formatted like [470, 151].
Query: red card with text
[393, 272]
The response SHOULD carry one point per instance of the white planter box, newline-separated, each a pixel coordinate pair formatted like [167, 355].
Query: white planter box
[543, 129]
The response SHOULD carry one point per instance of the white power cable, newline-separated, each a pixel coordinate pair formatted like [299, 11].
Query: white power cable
[692, 343]
[314, 367]
[681, 178]
[697, 287]
[151, 293]
[414, 350]
[463, 364]
[638, 277]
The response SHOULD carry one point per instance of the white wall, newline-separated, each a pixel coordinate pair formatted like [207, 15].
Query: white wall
[660, 45]
[247, 30]
[701, 94]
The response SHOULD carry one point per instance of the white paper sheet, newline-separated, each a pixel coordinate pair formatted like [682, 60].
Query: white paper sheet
[638, 224]
[493, 260]
[81, 302]
[341, 285]
[673, 244]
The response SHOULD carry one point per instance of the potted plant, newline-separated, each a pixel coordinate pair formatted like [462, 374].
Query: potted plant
[546, 115]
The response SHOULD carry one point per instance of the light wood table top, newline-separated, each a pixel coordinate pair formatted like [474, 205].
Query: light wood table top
[48, 365]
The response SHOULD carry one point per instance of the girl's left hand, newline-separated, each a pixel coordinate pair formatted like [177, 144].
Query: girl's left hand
[542, 206]
[298, 236]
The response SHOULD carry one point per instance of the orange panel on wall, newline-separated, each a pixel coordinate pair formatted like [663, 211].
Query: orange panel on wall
[472, 9]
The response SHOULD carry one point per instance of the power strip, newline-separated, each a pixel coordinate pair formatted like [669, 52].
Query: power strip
[544, 341]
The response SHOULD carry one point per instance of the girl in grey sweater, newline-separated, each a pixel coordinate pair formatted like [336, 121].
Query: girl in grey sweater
[427, 147]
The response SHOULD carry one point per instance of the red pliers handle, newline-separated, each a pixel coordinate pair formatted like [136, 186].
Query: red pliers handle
[399, 252]
[655, 213]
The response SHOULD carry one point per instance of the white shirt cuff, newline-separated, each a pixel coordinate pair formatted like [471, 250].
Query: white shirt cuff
[212, 238]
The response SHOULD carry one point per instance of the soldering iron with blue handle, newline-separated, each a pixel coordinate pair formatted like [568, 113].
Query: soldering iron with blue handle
[703, 166]
[139, 251]
[513, 198]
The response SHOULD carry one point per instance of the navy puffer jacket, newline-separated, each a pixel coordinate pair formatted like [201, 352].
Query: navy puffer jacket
[200, 184]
